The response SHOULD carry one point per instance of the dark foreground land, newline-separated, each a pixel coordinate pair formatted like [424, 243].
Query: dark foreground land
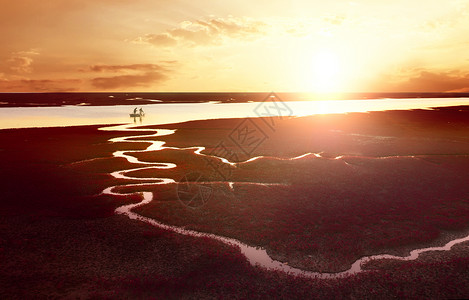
[381, 182]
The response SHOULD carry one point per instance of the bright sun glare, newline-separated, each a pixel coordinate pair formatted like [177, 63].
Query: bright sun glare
[326, 69]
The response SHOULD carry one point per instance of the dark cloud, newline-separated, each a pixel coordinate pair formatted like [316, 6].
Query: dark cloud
[124, 77]
[120, 68]
[128, 81]
[123, 82]
[206, 32]
[131, 76]
[41, 85]
[426, 81]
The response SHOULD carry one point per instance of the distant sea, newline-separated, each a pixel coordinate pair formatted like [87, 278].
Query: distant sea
[122, 98]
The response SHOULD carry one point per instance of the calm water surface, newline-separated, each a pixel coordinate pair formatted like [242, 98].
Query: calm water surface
[164, 113]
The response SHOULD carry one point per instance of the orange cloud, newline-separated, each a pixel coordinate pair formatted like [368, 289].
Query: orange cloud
[128, 81]
[162, 39]
[20, 62]
[201, 32]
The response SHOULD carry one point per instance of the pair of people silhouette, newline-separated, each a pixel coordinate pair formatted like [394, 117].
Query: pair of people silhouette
[138, 115]
[141, 113]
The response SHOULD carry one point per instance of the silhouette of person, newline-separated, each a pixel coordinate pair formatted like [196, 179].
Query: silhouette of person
[135, 110]
[141, 111]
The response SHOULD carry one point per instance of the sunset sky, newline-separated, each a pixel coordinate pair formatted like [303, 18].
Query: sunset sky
[214, 45]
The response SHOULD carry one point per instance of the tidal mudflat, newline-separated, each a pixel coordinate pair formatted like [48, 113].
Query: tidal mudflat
[316, 193]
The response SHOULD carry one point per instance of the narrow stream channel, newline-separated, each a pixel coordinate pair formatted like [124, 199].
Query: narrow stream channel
[255, 255]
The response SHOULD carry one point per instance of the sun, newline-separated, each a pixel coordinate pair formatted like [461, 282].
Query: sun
[326, 71]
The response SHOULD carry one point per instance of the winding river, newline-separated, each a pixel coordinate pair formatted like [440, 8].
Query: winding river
[255, 255]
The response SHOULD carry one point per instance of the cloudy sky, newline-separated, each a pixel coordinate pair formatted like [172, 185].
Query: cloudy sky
[217, 45]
